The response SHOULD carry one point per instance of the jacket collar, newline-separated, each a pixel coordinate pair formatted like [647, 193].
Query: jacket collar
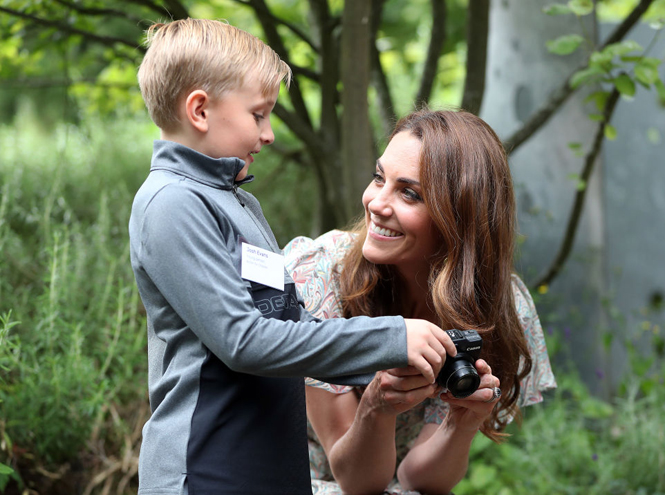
[181, 160]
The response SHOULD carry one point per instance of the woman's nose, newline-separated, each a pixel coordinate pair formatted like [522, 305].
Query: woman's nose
[379, 204]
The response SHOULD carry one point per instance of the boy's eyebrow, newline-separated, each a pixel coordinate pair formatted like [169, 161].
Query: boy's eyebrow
[402, 180]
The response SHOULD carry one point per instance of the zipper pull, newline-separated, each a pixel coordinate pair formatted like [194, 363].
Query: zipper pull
[235, 193]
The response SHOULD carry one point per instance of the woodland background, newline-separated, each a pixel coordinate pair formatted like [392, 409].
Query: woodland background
[75, 144]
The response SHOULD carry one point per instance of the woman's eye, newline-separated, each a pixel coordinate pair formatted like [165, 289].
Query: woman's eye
[412, 195]
[377, 177]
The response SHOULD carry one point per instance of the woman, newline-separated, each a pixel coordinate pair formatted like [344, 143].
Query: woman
[436, 242]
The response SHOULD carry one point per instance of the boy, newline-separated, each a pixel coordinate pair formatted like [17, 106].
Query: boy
[227, 336]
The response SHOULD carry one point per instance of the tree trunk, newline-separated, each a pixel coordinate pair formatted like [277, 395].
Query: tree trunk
[357, 138]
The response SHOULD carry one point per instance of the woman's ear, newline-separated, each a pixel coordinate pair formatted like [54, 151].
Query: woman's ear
[196, 109]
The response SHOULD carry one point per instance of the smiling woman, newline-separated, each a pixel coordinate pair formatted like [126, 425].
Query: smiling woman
[400, 231]
[435, 243]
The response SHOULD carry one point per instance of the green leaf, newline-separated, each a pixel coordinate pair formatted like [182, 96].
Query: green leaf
[580, 184]
[602, 59]
[622, 48]
[608, 338]
[557, 9]
[610, 132]
[587, 76]
[631, 58]
[599, 98]
[625, 85]
[660, 89]
[565, 45]
[596, 117]
[576, 148]
[581, 7]
[5, 469]
[653, 135]
[646, 74]
[652, 62]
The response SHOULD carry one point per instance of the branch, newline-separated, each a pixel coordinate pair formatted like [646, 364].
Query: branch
[176, 9]
[94, 12]
[301, 129]
[380, 82]
[330, 73]
[437, 39]
[574, 219]
[173, 8]
[292, 27]
[265, 17]
[561, 94]
[476, 59]
[105, 40]
[60, 83]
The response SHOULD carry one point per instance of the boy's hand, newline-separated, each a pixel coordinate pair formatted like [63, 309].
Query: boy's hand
[427, 346]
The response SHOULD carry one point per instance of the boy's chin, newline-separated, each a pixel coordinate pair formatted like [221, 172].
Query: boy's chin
[243, 173]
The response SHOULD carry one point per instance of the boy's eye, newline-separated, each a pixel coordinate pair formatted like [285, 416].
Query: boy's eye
[258, 117]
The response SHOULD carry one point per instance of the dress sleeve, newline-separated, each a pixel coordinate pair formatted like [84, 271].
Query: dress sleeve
[313, 265]
[541, 377]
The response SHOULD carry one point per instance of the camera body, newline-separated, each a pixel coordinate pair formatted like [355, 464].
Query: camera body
[459, 374]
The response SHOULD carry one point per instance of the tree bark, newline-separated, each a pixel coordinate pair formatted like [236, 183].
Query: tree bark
[357, 147]
[477, 31]
[379, 81]
[437, 39]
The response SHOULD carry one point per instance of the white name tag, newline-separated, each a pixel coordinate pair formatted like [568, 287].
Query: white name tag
[262, 266]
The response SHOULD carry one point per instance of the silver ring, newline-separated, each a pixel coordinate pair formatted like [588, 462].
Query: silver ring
[496, 393]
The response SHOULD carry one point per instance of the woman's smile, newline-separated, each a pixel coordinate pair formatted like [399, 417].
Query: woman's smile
[383, 231]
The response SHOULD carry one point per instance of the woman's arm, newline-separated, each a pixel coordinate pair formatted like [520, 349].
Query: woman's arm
[439, 458]
[358, 435]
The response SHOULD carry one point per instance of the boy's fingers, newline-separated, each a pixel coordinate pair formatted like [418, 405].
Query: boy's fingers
[404, 383]
[406, 371]
[445, 340]
[423, 366]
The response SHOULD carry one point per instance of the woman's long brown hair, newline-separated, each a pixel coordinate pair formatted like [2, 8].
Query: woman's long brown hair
[468, 191]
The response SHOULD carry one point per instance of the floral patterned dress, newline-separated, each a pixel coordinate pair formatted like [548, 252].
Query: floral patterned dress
[314, 265]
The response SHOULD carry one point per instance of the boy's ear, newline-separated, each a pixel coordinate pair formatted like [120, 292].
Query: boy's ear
[196, 109]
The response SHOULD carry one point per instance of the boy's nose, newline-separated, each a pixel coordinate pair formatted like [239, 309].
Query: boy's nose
[267, 136]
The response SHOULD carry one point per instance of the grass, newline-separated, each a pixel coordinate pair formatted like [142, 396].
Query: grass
[72, 338]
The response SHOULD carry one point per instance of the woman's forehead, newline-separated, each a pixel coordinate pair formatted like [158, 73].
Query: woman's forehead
[402, 155]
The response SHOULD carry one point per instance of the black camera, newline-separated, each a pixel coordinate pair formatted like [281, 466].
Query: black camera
[459, 374]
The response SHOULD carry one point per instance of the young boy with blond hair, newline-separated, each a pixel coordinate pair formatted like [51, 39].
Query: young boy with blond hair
[228, 338]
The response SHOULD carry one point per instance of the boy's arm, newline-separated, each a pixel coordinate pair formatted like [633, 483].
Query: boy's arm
[183, 252]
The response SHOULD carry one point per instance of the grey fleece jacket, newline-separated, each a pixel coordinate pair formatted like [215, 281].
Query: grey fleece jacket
[226, 355]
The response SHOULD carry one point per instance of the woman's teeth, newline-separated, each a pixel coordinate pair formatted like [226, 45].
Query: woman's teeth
[384, 232]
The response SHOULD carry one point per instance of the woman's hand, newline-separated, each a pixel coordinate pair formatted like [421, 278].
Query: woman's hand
[472, 411]
[397, 390]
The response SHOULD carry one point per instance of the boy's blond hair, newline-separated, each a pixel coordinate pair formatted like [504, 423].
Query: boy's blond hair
[213, 56]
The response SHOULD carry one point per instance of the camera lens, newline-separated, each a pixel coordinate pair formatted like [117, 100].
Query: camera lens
[463, 380]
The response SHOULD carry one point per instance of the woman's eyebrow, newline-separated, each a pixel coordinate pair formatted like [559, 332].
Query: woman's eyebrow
[402, 180]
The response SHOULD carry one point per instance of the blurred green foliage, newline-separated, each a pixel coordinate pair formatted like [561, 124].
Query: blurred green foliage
[72, 336]
[75, 144]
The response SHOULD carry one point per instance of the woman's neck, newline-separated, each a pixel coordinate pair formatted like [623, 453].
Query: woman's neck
[414, 290]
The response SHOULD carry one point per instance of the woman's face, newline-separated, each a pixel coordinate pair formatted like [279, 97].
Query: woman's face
[399, 228]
